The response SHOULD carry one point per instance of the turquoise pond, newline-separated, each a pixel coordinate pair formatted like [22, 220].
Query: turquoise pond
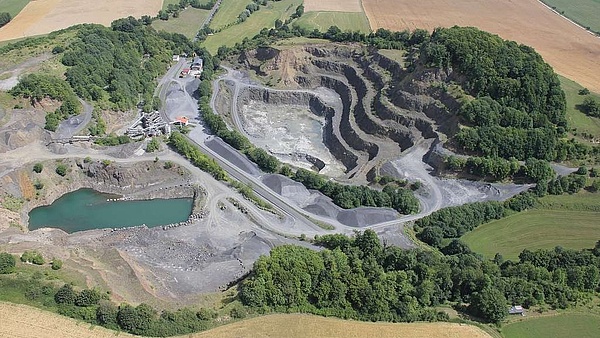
[87, 209]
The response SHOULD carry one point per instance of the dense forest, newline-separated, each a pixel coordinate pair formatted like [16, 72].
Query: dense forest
[360, 278]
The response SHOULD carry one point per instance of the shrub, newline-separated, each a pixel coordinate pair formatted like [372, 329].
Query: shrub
[38, 167]
[65, 295]
[61, 169]
[57, 264]
[33, 257]
[7, 263]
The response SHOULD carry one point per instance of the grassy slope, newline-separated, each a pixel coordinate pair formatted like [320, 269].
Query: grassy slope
[345, 21]
[166, 3]
[562, 326]
[584, 12]
[575, 118]
[229, 11]
[265, 17]
[188, 23]
[12, 6]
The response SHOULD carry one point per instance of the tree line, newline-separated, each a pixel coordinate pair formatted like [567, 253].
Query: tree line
[359, 278]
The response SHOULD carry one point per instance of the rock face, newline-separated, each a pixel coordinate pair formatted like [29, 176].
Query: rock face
[385, 108]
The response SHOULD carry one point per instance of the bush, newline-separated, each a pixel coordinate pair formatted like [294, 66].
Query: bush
[153, 145]
[56, 264]
[38, 167]
[33, 257]
[61, 169]
[65, 295]
[7, 263]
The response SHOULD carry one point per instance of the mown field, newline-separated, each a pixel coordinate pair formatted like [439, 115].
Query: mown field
[344, 20]
[13, 7]
[264, 18]
[570, 221]
[566, 325]
[578, 120]
[584, 12]
[228, 12]
[188, 23]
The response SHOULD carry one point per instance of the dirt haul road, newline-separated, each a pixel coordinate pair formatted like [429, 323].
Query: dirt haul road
[571, 50]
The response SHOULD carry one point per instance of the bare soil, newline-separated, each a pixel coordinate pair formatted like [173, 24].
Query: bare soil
[571, 50]
[45, 16]
[332, 6]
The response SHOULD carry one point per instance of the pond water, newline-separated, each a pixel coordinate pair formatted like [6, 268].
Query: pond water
[87, 209]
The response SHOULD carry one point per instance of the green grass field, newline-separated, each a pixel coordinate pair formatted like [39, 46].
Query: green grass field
[265, 17]
[345, 21]
[13, 7]
[568, 325]
[575, 118]
[188, 23]
[584, 12]
[228, 12]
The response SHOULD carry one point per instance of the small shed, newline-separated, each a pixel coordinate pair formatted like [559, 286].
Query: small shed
[516, 310]
[175, 58]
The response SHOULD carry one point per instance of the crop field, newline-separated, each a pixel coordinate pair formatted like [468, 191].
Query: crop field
[41, 17]
[13, 7]
[571, 50]
[300, 326]
[566, 325]
[333, 6]
[265, 17]
[584, 12]
[570, 221]
[577, 119]
[228, 12]
[344, 20]
[188, 23]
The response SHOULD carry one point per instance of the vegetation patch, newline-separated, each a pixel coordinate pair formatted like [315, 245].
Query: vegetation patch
[228, 13]
[583, 127]
[187, 23]
[353, 21]
[566, 325]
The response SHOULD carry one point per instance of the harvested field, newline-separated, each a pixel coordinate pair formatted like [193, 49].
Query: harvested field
[44, 16]
[26, 321]
[299, 325]
[332, 6]
[571, 50]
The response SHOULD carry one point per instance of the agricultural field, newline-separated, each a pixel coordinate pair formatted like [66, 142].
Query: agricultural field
[578, 120]
[584, 12]
[333, 6]
[265, 17]
[188, 23]
[580, 325]
[13, 7]
[42, 17]
[228, 13]
[299, 326]
[344, 20]
[571, 50]
[570, 221]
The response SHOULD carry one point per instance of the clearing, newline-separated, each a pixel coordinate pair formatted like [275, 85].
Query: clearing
[571, 50]
[584, 12]
[570, 221]
[301, 325]
[577, 120]
[332, 6]
[41, 17]
[566, 325]
[188, 23]
[13, 7]
[344, 20]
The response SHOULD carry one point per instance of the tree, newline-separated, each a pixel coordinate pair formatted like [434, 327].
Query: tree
[65, 295]
[584, 91]
[4, 18]
[38, 167]
[489, 304]
[7, 263]
[590, 107]
[88, 297]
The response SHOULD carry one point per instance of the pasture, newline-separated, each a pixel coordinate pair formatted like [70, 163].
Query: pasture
[584, 12]
[333, 6]
[42, 17]
[344, 20]
[575, 118]
[264, 18]
[572, 51]
[188, 23]
[228, 12]
[570, 221]
[13, 7]
[567, 325]
[300, 326]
